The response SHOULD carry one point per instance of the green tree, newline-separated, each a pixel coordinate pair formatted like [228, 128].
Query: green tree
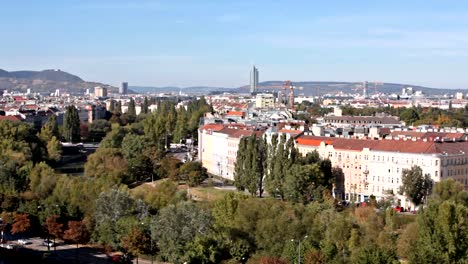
[54, 149]
[251, 164]
[145, 106]
[193, 172]
[415, 185]
[301, 181]
[109, 164]
[177, 227]
[118, 108]
[42, 180]
[112, 106]
[442, 233]
[131, 108]
[112, 209]
[181, 129]
[71, 124]
[49, 129]
[114, 138]
[98, 130]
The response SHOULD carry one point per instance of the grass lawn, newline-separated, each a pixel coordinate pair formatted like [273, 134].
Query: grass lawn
[207, 193]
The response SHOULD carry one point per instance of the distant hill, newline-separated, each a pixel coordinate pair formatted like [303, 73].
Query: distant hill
[308, 88]
[174, 89]
[46, 81]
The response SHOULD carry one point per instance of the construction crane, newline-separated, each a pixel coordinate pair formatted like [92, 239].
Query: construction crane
[287, 85]
[375, 86]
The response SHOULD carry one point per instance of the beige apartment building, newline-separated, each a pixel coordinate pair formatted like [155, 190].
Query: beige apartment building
[374, 167]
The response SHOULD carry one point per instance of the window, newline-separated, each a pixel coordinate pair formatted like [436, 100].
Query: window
[436, 173]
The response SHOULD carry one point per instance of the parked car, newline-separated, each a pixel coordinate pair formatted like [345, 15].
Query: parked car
[24, 242]
[48, 243]
[11, 246]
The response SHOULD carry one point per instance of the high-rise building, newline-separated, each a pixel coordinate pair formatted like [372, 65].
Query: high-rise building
[253, 80]
[123, 88]
[100, 91]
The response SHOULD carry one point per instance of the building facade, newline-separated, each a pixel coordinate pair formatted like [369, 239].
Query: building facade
[374, 167]
[123, 88]
[253, 79]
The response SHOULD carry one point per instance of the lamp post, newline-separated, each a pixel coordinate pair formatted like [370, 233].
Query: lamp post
[299, 248]
[151, 238]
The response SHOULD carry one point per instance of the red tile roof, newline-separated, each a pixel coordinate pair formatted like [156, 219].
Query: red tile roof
[403, 146]
[427, 135]
[235, 113]
[213, 127]
[10, 118]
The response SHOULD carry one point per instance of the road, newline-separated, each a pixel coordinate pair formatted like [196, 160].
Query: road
[63, 253]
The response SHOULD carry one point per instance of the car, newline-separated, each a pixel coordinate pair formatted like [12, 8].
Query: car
[48, 243]
[24, 242]
[11, 246]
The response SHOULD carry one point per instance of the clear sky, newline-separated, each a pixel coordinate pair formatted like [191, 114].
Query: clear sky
[202, 42]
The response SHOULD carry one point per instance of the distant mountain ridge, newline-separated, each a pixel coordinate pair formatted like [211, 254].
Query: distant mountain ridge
[309, 88]
[46, 81]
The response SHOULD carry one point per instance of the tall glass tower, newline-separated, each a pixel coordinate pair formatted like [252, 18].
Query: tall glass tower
[253, 79]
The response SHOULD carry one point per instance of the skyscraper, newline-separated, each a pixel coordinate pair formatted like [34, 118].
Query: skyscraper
[253, 79]
[123, 88]
[364, 89]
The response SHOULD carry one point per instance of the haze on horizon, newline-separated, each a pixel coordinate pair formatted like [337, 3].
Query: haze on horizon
[214, 43]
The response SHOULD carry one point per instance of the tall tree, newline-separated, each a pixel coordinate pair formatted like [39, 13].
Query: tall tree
[145, 107]
[415, 185]
[131, 108]
[76, 233]
[177, 227]
[21, 223]
[442, 226]
[135, 242]
[118, 108]
[49, 129]
[54, 228]
[112, 106]
[71, 124]
[249, 170]
[181, 129]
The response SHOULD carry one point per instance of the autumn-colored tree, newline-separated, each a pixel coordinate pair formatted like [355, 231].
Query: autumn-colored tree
[135, 242]
[77, 233]
[271, 260]
[54, 228]
[21, 223]
[314, 256]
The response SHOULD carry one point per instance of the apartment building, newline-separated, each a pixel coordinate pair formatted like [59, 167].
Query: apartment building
[374, 167]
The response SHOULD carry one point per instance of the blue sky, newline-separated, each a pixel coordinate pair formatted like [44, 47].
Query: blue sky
[201, 42]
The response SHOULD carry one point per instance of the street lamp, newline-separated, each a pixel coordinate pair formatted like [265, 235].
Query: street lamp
[47, 214]
[299, 248]
[151, 238]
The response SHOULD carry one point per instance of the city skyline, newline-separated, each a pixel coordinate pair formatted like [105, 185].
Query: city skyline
[161, 43]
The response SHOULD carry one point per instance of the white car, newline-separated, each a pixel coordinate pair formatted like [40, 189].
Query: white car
[11, 246]
[24, 242]
[48, 243]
